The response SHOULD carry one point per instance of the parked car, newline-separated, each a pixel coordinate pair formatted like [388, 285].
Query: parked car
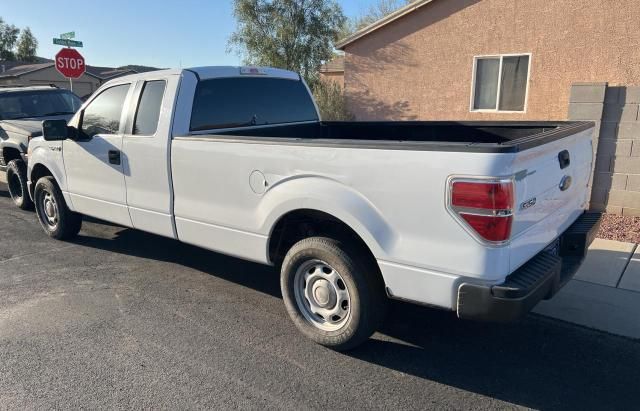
[22, 110]
[485, 219]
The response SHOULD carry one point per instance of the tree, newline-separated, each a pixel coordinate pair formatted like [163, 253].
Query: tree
[8, 38]
[331, 102]
[375, 12]
[379, 10]
[27, 45]
[296, 35]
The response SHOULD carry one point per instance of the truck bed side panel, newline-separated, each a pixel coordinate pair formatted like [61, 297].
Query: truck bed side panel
[231, 190]
[212, 185]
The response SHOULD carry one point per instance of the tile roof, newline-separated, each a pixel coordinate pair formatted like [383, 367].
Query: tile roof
[21, 68]
[105, 73]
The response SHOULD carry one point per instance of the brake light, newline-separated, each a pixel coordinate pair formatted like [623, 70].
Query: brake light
[485, 207]
[488, 196]
[255, 71]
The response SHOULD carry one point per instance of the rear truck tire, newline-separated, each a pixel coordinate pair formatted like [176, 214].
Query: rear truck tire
[334, 294]
[55, 217]
[17, 184]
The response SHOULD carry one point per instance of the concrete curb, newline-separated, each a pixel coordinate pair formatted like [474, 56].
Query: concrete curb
[603, 308]
[605, 292]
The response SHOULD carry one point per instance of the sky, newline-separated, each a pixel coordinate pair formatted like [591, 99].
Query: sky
[167, 34]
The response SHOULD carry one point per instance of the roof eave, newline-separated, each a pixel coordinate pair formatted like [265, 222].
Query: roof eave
[93, 75]
[409, 8]
[111, 76]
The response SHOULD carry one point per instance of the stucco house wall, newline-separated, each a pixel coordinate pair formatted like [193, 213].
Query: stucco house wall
[420, 66]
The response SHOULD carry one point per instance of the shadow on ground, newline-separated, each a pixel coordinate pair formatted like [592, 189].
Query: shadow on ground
[537, 363]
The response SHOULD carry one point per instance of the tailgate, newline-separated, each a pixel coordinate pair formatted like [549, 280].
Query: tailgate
[551, 192]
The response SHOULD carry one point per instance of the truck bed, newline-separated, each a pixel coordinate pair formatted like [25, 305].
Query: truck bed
[413, 135]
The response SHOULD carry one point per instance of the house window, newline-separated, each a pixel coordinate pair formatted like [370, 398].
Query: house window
[500, 83]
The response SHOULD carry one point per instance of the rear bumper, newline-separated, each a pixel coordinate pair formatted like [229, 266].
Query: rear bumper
[539, 278]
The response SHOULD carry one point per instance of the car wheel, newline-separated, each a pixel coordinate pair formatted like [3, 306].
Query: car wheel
[17, 184]
[334, 295]
[55, 217]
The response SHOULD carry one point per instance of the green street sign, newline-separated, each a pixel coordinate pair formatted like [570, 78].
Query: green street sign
[68, 36]
[67, 42]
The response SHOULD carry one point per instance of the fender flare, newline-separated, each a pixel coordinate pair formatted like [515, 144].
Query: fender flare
[333, 198]
[9, 144]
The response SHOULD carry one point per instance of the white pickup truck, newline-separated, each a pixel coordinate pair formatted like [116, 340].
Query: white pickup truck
[485, 219]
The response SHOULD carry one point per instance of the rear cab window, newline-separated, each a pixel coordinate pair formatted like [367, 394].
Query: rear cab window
[250, 101]
[149, 105]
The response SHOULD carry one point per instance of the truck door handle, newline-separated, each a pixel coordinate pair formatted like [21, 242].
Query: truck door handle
[564, 158]
[114, 157]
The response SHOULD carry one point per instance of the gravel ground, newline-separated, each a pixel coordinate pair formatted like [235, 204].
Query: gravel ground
[620, 228]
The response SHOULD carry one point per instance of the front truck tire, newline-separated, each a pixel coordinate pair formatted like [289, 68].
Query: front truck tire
[333, 294]
[17, 183]
[55, 217]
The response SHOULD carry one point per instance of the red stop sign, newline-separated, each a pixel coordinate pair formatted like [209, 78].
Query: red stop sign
[70, 63]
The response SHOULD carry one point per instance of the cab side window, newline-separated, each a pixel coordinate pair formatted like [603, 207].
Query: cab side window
[148, 113]
[102, 115]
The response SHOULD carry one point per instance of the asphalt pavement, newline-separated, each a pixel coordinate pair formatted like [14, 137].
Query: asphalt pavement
[121, 318]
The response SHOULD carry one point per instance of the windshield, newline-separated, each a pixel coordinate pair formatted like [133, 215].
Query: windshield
[250, 101]
[41, 103]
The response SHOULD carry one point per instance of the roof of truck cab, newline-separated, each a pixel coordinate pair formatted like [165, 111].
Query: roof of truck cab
[146, 75]
[235, 71]
[210, 72]
[12, 89]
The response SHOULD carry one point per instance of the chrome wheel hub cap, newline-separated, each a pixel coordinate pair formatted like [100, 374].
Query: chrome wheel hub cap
[322, 295]
[50, 209]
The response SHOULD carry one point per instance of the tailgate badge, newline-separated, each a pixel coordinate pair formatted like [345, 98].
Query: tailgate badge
[565, 183]
[528, 204]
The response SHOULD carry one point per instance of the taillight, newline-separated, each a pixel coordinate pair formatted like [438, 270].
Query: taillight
[484, 206]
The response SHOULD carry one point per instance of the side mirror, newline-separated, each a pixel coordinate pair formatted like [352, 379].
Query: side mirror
[55, 130]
